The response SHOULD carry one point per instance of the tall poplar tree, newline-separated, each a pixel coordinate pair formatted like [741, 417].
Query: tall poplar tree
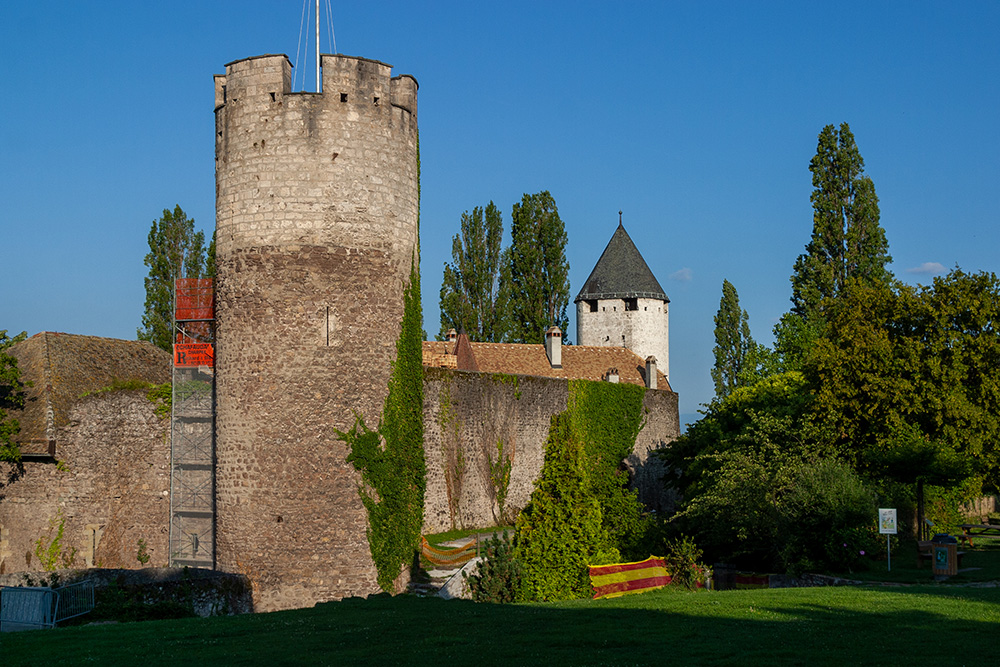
[471, 298]
[847, 243]
[176, 250]
[734, 346]
[536, 277]
[847, 239]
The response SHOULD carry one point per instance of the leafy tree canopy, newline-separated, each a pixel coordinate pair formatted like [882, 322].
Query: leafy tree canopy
[176, 250]
[537, 272]
[847, 242]
[739, 359]
[11, 397]
[471, 298]
[904, 379]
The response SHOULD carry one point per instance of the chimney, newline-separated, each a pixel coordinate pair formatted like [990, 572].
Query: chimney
[553, 346]
[651, 372]
[611, 376]
[451, 336]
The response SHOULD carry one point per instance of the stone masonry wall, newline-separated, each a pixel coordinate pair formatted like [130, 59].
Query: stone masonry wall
[112, 487]
[645, 331]
[467, 414]
[316, 198]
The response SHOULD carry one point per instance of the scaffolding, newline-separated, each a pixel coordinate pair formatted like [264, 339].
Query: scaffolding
[192, 426]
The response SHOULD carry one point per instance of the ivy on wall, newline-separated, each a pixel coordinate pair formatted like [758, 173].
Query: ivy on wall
[391, 458]
[452, 452]
[607, 417]
[560, 532]
[582, 512]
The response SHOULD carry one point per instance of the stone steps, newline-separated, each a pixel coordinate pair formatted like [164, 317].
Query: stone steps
[435, 579]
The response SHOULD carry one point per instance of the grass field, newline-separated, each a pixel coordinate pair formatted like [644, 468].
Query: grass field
[941, 625]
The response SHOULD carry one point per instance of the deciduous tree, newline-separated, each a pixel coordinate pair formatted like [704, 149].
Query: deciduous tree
[847, 241]
[11, 398]
[471, 298]
[176, 250]
[536, 276]
[734, 346]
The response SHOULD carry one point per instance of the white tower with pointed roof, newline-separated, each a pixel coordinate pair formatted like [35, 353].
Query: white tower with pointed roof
[623, 305]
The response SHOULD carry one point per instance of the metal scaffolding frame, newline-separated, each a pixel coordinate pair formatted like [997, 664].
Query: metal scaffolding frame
[192, 427]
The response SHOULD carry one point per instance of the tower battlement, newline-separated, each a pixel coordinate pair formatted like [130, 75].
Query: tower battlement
[352, 81]
[316, 233]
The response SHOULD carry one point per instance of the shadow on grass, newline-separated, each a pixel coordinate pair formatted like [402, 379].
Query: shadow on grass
[789, 626]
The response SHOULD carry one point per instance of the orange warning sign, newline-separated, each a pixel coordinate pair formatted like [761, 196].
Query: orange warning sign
[187, 355]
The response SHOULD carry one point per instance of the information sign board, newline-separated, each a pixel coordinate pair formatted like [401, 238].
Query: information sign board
[887, 521]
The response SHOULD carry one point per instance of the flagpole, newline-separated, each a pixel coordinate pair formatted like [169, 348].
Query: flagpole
[317, 46]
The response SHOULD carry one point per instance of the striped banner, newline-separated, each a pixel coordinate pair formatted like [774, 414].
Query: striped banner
[454, 557]
[621, 578]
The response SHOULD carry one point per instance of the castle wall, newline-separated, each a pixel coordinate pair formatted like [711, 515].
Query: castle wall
[467, 414]
[316, 199]
[645, 331]
[113, 489]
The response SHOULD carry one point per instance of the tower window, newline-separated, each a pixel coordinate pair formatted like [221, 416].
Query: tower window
[592, 305]
[343, 97]
[631, 304]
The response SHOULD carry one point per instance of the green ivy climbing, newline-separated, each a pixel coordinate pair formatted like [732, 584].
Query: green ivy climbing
[560, 532]
[607, 417]
[582, 512]
[391, 458]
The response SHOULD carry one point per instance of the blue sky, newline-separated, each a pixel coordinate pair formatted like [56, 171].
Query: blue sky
[696, 119]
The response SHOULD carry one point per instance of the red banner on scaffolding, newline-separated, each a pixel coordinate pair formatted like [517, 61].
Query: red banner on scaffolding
[188, 355]
[195, 299]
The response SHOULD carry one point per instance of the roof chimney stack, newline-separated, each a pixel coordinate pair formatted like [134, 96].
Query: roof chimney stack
[553, 346]
[612, 376]
[651, 372]
[451, 336]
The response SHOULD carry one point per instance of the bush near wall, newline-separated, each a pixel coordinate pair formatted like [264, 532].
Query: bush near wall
[582, 512]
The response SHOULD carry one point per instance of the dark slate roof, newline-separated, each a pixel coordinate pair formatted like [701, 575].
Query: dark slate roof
[621, 273]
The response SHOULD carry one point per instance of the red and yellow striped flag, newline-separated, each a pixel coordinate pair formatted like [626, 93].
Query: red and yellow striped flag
[621, 578]
[454, 557]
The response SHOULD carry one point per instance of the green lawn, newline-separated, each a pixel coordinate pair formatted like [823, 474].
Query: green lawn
[805, 626]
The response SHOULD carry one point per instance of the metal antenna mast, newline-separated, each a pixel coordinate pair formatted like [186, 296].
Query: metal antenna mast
[317, 47]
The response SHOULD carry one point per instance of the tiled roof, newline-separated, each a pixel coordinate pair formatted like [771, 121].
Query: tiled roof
[63, 367]
[579, 362]
[621, 273]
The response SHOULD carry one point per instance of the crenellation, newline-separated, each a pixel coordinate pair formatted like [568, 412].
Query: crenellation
[317, 206]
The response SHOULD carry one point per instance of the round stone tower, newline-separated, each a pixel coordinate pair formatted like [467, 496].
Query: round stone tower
[623, 305]
[316, 223]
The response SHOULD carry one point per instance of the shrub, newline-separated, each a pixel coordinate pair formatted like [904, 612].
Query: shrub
[766, 510]
[827, 518]
[735, 518]
[497, 578]
[559, 533]
[684, 564]
[606, 418]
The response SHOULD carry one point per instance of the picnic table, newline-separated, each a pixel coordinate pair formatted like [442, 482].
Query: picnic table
[986, 531]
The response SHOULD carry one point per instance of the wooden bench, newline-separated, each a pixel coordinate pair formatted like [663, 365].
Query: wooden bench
[981, 531]
[925, 551]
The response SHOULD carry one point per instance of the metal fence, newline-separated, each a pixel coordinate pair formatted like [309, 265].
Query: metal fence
[31, 608]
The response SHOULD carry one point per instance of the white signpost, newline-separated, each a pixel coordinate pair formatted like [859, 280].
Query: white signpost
[887, 526]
